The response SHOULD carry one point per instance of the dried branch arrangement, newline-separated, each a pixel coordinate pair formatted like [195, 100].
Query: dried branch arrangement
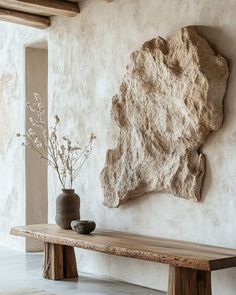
[61, 153]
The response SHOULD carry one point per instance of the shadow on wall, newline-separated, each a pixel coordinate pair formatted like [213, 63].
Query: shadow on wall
[221, 42]
[218, 39]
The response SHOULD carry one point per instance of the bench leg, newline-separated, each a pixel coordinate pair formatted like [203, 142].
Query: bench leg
[186, 281]
[59, 262]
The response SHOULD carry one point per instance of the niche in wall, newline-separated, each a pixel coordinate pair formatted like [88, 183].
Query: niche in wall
[36, 81]
[169, 100]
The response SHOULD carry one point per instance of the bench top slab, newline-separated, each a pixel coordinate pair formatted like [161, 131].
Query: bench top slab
[173, 252]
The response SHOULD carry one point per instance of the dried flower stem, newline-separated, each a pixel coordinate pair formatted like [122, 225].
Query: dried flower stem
[66, 159]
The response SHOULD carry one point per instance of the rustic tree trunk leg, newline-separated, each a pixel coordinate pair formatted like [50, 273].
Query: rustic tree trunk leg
[186, 281]
[53, 262]
[69, 263]
[59, 262]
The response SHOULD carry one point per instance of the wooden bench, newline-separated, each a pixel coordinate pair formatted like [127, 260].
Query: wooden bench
[190, 264]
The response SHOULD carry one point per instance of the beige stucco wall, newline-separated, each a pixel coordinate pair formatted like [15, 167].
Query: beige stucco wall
[87, 58]
[12, 113]
[36, 76]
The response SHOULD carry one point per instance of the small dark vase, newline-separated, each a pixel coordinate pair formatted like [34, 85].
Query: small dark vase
[67, 208]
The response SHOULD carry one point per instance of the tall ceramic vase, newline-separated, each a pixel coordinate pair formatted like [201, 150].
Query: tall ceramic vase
[67, 208]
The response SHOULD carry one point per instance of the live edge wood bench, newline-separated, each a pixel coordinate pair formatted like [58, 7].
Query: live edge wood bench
[190, 264]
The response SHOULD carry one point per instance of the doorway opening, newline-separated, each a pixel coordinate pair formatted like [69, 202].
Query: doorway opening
[36, 81]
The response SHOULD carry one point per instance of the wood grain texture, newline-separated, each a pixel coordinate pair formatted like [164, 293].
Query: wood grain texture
[59, 262]
[26, 19]
[69, 263]
[173, 252]
[53, 262]
[186, 281]
[42, 7]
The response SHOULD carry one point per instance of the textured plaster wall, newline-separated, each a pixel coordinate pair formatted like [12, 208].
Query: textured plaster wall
[87, 58]
[12, 109]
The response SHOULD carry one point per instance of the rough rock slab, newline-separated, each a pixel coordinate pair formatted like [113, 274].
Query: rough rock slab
[169, 100]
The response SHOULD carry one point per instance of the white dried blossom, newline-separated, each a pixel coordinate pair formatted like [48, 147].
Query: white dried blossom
[34, 122]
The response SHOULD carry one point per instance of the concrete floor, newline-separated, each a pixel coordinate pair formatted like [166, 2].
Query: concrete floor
[20, 271]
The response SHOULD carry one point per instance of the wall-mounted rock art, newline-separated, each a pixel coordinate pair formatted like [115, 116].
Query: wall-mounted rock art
[169, 100]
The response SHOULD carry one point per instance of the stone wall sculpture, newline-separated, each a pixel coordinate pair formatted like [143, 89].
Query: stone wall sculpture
[170, 99]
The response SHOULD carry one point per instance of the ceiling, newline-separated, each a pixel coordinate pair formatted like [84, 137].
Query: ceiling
[36, 13]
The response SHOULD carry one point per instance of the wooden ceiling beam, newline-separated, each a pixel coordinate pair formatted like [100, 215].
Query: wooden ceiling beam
[43, 7]
[22, 18]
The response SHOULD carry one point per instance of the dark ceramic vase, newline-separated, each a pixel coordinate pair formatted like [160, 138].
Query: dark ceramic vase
[67, 208]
